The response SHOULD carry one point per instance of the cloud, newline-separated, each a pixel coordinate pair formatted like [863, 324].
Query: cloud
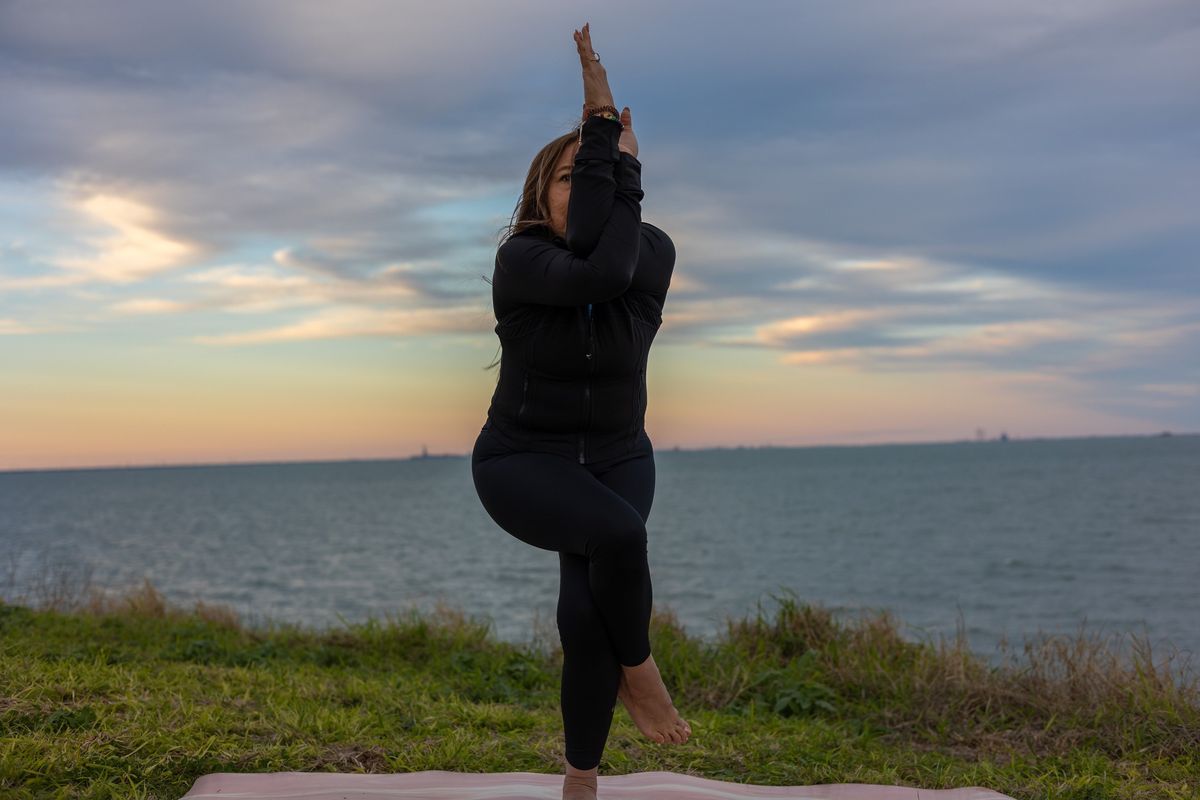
[147, 305]
[783, 332]
[12, 327]
[136, 251]
[355, 321]
[824, 303]
[998, 135]
[1184, 390]
[381, 305]
[50, 281]
[949, 185]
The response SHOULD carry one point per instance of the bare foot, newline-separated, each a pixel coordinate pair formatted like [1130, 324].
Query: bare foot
[649, 704]
[579, 787]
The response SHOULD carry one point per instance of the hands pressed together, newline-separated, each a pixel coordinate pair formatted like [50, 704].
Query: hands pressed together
[596, 91]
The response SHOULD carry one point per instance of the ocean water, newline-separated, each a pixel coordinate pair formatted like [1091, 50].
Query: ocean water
[1010, 538]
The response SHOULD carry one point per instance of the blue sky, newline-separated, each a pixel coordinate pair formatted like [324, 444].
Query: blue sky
[902, 220]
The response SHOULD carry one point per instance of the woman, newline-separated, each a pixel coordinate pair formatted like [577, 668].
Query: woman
[563, 462]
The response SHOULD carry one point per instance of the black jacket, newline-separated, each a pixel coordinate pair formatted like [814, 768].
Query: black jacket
[576, 316]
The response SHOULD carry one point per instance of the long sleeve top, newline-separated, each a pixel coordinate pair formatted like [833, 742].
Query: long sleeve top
[576, 315]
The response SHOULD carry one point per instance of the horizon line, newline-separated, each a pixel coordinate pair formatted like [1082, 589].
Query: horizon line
[673, 448]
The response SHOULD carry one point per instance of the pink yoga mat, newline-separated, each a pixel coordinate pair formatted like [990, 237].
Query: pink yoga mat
[443, 785]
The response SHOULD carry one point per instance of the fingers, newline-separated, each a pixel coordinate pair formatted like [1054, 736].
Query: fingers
[583, 41]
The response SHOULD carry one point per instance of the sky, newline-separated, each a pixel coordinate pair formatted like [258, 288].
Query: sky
[260, 231]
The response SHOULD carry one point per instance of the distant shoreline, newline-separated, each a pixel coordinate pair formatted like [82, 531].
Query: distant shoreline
[659, 449]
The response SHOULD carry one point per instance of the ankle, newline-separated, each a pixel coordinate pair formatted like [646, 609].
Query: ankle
[579, 787]
[577, 779]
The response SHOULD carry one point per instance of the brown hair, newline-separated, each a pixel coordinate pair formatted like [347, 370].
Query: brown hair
[532, 210]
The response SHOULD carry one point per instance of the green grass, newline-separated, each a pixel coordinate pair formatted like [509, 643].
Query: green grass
[128, 697]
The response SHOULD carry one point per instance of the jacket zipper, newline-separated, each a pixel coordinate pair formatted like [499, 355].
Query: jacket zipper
[587, 391]
[641, 386]
[524, 393]
[637, 403]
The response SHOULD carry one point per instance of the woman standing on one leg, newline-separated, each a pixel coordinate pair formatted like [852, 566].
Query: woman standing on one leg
[563, 462]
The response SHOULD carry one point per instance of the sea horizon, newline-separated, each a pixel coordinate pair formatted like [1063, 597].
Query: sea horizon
[673, 448]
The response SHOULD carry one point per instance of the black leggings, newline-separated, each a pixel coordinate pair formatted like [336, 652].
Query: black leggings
[594, 516]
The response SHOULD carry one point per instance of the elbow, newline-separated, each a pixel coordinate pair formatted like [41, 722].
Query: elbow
[580, 244]
[619, 284]
[613, 284]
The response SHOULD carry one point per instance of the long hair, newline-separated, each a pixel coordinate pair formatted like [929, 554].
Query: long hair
[532, 209]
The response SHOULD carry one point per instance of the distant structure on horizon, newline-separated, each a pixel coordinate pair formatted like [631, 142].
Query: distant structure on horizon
[425, 454]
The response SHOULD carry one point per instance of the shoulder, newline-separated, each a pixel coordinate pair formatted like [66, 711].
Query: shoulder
[659, 241]
[517, 248]
[654, 229]
[657, 248]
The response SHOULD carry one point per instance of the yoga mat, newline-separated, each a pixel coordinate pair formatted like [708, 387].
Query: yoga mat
[443, 785]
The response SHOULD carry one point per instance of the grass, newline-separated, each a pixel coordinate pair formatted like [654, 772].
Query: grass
[107, 695]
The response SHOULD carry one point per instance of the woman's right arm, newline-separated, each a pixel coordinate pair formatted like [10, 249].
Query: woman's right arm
[592, 178]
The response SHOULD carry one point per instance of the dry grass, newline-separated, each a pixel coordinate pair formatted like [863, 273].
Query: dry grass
[58, 587]
[1057, 692]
